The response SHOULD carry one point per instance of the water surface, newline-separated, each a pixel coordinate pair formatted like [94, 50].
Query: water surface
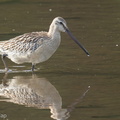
[96, 25]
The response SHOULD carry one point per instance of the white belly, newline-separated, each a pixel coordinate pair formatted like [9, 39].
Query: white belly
[43, 53]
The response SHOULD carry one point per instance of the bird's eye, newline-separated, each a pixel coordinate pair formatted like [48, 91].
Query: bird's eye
[61, 23]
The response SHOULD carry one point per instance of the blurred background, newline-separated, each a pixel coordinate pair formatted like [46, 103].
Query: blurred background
[96, 24]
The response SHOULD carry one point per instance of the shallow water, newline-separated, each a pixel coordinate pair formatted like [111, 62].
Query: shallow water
[69, 71]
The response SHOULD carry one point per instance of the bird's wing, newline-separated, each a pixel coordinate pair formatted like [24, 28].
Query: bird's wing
[28, 42]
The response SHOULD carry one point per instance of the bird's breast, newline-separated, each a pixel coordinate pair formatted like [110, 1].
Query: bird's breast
[46, 50]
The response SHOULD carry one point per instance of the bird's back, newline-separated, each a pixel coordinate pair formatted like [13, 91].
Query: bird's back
[28, 42]
[21, 48]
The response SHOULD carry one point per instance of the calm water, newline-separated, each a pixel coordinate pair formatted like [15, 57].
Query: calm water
[56, 89]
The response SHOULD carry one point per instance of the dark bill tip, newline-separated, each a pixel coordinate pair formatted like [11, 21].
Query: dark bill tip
[76, 41]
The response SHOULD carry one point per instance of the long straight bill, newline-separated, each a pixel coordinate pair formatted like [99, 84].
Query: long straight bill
[80, 45]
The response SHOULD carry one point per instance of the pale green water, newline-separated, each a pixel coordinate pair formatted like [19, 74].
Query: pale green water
[96, 24]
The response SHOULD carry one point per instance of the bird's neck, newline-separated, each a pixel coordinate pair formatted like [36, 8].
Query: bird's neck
[54, 32]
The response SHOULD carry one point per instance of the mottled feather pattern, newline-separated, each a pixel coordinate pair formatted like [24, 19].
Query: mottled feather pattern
[35, 47]
[28, 42]
[24, 96]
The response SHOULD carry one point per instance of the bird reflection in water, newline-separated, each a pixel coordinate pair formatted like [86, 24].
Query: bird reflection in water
[32, 91]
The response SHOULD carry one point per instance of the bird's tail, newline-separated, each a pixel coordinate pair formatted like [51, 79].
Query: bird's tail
[1, 46]
[1, 43]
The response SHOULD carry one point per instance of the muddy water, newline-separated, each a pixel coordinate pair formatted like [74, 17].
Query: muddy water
[69, 72]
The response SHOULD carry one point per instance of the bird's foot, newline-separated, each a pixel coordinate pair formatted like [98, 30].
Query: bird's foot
[6, 70]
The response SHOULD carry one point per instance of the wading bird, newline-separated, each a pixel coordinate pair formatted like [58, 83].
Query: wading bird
[35, 47]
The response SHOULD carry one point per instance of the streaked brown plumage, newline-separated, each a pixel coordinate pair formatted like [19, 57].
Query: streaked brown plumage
[35, 47]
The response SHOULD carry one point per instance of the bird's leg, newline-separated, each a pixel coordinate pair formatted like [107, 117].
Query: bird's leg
[4, 80]
[33, 67]
[3, 59]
